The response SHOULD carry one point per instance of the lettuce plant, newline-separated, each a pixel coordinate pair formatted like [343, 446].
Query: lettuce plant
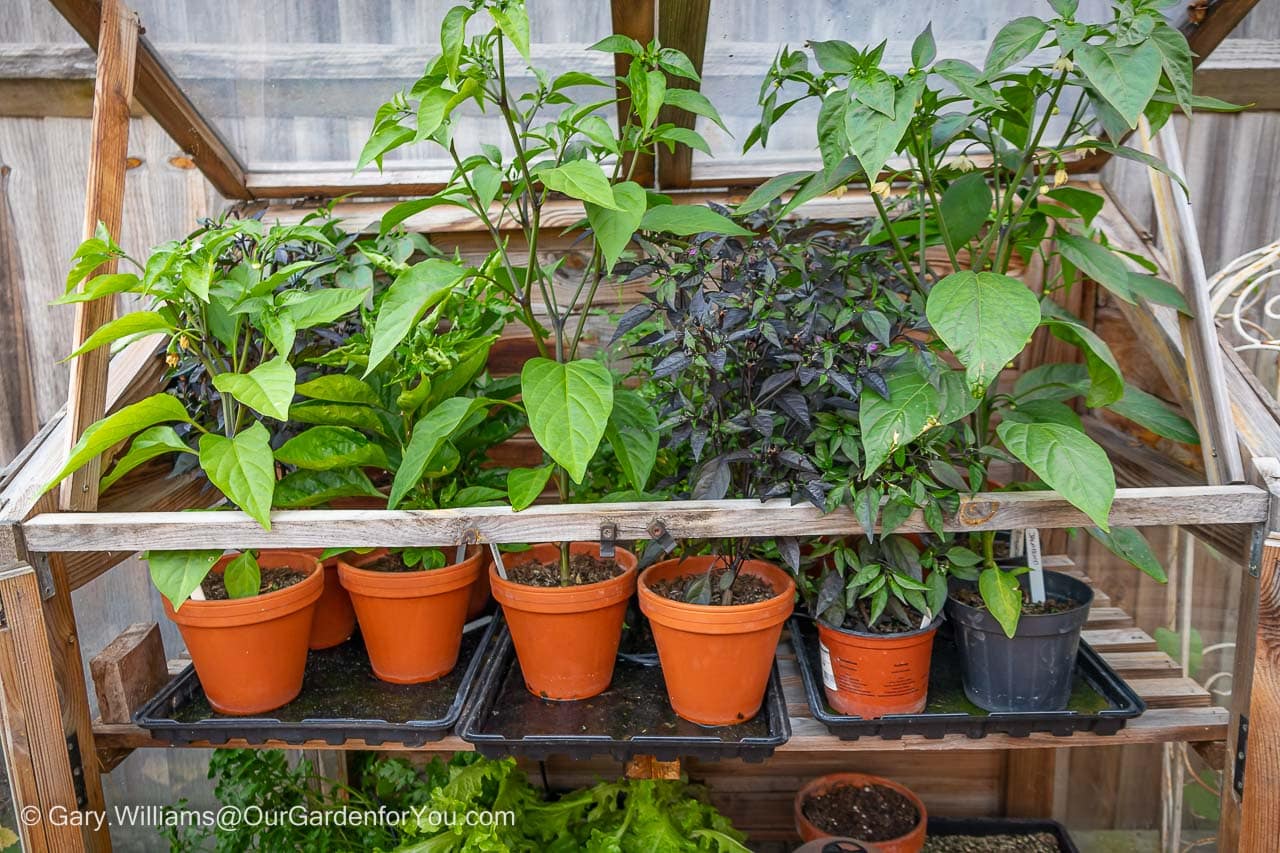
[972, 161]
[555, 140]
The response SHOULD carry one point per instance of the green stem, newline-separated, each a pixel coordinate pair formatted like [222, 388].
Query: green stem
[926, 176]
[898, 250]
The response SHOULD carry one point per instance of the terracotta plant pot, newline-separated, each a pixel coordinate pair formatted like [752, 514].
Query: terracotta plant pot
[480, 593]
[335, 619]
[716, 660]
[250, 652]
[870, 675]
[909, 843]
[566, 638]
[411, 621]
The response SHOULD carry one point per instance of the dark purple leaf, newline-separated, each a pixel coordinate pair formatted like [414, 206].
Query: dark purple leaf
[792, 404]
[712, 481]
[673, 363]
[636, 315]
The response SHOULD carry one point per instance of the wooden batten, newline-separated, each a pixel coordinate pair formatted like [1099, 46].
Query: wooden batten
[682, 24]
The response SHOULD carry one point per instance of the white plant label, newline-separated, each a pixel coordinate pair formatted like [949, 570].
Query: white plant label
[828, 674]
[1036, 562]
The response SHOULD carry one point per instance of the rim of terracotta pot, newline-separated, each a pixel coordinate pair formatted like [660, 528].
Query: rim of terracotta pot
[407, 584]
[832, 780]
[713, 619]
[227, 613]
[566, 599]
[824, 625]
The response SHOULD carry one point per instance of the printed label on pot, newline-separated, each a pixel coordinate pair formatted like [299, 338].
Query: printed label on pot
[828, 674]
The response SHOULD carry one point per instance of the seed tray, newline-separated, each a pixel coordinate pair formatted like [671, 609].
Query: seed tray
[341, 700]
[631, 718]
[1101, 701]
[984, 826]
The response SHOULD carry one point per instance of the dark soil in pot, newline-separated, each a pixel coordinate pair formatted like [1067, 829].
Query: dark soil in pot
[865, 812]
[746, 589]
[1039, 842]
[583, 569]
[214, 586]
[973, 598]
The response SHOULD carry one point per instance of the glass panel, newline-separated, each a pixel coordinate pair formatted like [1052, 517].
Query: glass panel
[744, 37]
[293, 85]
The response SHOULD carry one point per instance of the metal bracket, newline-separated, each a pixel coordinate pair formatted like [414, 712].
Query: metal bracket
[77, 771]
[608, 539]
[658, 533]
[1256, 543]
[44, 575]
[1242, 752]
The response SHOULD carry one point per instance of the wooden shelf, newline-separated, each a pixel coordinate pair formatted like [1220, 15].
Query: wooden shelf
[136, 531]
[1179, 709]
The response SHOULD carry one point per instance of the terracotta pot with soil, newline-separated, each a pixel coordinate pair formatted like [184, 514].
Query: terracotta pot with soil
[716, 658]
[566, 637]
[411, 619]
[335, 618]
[250, 653]
[870, 675]
[871, 809]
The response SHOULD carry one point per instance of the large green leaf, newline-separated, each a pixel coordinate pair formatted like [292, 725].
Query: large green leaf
[569, 406]
[1125, 76]
[267, 389]
[1068, 461]
[430, 434]
[772, 189]
[888, 424]
[340, 414]
[100, 286]
[1106, 384]
[1176, 59]
[1131, 546]
[1097, 262]
[113, 429]
[615, 227]
[147, 445]
[985, 318]
[1003, 596]
[453, 35]
[243, 469]
[304, 488]
[873, 136]
[693, 101]
[513, 20]
[412, 294]
[1052, 382]
[1153, 413]
[324, 448]
[966, 204]
[177, 573]
[128, 326]
[318, 307]
[687, 219]
[1015, 42]
[633, 434]
[242, 576]
[524, 485]
[339, 388]
[580, 179]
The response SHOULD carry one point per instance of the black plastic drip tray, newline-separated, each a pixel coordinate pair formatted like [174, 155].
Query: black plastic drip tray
[1101, 701]
[341, 700]
[941, 828]
[632, 717]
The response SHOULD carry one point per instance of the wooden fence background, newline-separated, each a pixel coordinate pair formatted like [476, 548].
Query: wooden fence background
[1234, 163]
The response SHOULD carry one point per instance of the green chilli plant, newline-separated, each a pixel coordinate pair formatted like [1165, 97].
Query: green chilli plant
[973, 162]
[556, 140]
[237, 298]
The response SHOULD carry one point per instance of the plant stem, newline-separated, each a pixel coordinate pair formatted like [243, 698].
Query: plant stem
[898, 250]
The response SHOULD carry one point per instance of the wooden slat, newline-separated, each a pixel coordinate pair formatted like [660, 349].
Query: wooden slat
[682, 24]
[104, 205]
[1207, 23]
[18, 415]
[1260, 801]
[634, 18]
[1029, 783]
[160, 95]
[36, 749]
[1243, 71]
[1119, 640]
[684, 519]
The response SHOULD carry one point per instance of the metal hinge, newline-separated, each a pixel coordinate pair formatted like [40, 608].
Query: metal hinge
[1255, 549]
[77, 771]
[1242, 751]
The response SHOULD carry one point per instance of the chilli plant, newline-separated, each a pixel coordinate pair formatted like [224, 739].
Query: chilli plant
[973, 162]
[554, 140]
[237, 297]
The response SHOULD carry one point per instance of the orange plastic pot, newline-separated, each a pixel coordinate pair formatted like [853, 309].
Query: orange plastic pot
[335, 619]
[566, 638]
[411, 621]
[912, 842]
[250, 653]
[870, 675]
[716, 660]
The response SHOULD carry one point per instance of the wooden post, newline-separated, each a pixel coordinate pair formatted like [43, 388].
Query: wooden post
[682, 24]
[104, 202]
[1029, 783]
[634, 18]
[40, 771]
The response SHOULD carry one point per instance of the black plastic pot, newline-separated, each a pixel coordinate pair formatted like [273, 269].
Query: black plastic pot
[1034, 670]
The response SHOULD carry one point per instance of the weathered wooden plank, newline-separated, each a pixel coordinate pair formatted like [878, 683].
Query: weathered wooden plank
[104, 206]
[36, 749]
[1119, 640]
[18, 421]
[1243, 71]
[123, 531]
[1260, 800]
